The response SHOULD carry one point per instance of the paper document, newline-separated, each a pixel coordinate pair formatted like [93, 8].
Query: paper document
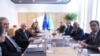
[32, 46]
[94, 54]
[40, 45]
[35, 46]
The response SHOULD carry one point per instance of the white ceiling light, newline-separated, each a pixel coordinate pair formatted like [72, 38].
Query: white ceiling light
[33, 0]
[20, 1]
[59, 0]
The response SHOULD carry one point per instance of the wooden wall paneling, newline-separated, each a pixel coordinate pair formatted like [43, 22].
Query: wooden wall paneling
[40, 14]
[11, 32]
[54, 20]
[22, 17]
[61, 17]
[30, 18]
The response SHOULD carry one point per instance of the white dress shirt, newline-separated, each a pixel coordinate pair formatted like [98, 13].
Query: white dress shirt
[0, 51]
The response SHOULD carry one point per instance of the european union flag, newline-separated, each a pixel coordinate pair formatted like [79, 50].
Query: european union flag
[45, 23]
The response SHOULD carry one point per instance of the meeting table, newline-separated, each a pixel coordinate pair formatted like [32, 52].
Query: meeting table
[58, 45]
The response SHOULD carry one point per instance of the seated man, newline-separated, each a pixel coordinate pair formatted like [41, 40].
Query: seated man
[2, 37]
[23, 37]
[77, 33]
[93, 41]
[68, 29]
[9, 47]
[61, 28]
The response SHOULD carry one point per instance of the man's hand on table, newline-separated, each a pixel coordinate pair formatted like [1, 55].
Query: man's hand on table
[31, 39]
[83, 44]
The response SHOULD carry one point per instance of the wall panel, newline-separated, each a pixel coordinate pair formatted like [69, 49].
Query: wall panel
[29, 17]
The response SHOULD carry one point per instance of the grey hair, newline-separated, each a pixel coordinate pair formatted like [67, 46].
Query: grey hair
[1, 19]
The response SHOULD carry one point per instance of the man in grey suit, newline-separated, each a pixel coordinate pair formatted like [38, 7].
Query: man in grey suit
[93, 41]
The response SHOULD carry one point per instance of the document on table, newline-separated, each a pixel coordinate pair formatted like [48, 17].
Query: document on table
[94, 54]
[35, 46]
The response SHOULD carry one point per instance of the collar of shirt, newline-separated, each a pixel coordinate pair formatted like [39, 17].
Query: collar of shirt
[96, 32]
[23, 30]
[7, 35]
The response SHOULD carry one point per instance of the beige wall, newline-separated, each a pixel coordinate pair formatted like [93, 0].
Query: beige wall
[29, 16]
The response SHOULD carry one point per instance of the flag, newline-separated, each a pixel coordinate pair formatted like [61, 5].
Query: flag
[45, 23]
[50, 22]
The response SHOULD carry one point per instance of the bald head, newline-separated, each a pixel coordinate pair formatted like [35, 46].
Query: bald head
[23, 26]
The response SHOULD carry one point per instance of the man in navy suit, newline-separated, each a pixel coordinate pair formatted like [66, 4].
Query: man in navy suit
[23, 37]
[68, 29]
[9, 47]
[77, 33]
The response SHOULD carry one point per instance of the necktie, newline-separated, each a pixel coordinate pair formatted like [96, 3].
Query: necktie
[25, 35]
[68, 30]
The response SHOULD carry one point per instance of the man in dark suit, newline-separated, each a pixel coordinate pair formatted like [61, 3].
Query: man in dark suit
[23, 37]
[68, 29]
[61, 28]
[93, 41]
[77, 33]
[9, 47]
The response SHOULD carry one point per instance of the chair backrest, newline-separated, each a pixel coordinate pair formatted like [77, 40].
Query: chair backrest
[11, 32]
[86, 35]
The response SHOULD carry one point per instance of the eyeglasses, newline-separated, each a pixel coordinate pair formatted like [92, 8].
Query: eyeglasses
[93, 25]
[6, 24]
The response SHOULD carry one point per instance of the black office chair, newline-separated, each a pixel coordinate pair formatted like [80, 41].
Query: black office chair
[86, 35]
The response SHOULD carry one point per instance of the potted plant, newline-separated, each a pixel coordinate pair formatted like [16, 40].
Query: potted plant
[71, 16]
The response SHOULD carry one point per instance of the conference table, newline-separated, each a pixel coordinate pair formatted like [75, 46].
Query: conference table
[60, 48]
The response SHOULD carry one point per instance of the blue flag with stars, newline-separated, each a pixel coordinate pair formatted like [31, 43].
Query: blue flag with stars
[45, 23]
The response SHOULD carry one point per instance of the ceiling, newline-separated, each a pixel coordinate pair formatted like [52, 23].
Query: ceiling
[41, 1]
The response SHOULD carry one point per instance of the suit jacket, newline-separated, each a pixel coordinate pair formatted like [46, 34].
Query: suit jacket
[68, 30]
[21, 39]
[93, 45]
[8, 49]
[61, 29]
[78, 35]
